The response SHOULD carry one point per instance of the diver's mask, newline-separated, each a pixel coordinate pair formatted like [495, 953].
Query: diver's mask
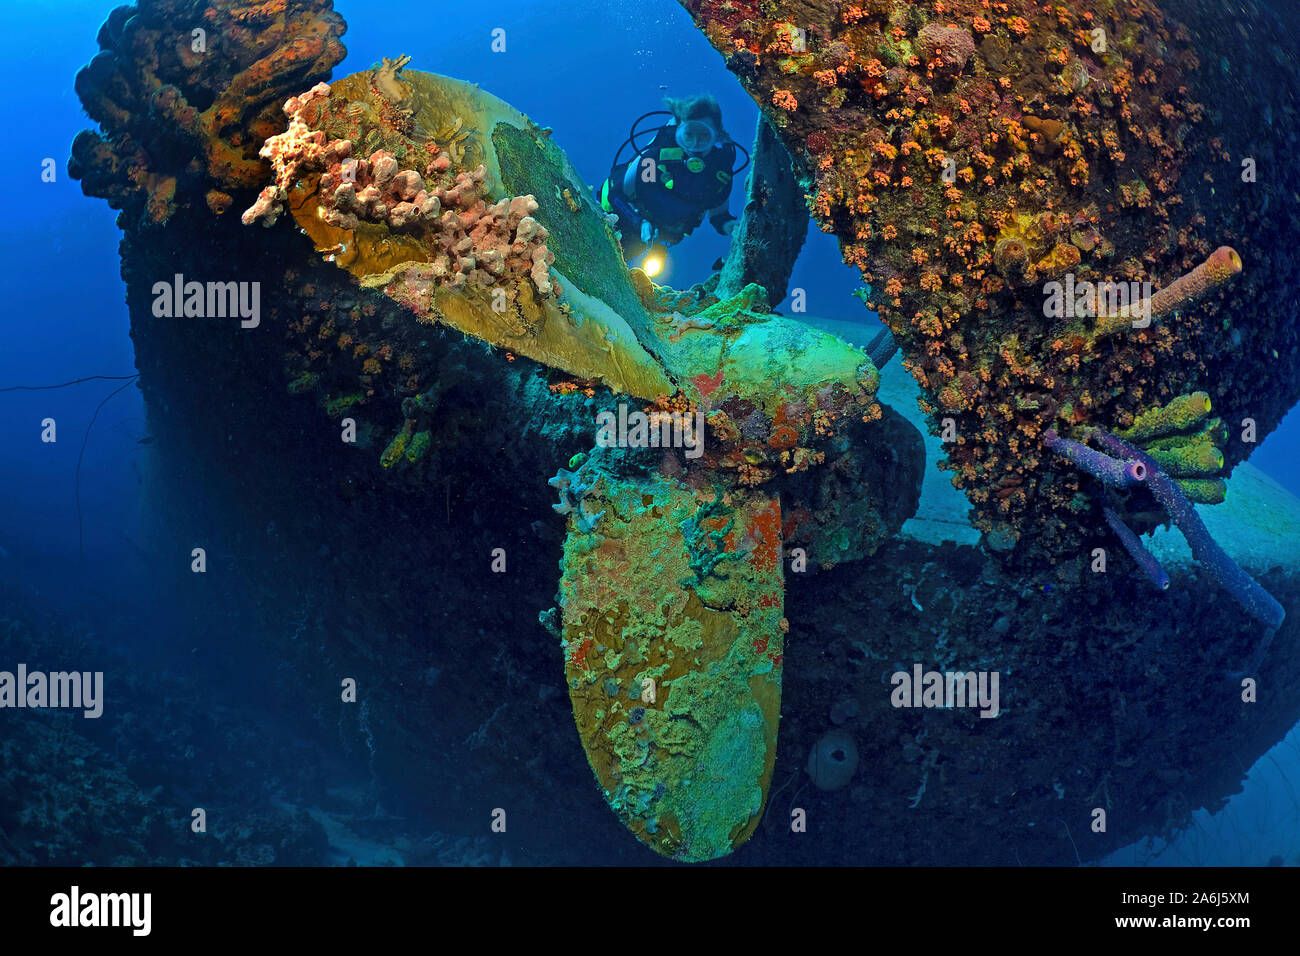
[695, 137]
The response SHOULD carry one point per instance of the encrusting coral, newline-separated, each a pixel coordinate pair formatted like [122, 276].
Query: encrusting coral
[187, 96]
[473, 241]
[966, 154]
[572, 489]
[297, 149]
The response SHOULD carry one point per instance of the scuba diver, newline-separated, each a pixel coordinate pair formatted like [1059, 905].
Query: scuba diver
[663, 192]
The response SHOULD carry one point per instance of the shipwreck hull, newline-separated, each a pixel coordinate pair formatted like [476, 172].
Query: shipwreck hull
[426, 562]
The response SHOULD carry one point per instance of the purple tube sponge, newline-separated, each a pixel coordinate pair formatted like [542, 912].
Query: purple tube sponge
[1257, 602]
[1137, 550]
[1116, 472]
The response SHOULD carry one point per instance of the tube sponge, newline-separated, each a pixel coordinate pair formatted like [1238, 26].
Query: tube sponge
[833, 760]
[1137, 550]
[1223, 265]
[1192, 459]
[1178, 415]
[1116, 472]
[1204, 491]
[1256, 602]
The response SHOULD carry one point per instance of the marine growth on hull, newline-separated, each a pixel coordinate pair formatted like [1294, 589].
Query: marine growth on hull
[1048, 232]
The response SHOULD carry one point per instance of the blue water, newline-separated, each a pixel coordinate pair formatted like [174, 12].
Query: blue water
[584, 68]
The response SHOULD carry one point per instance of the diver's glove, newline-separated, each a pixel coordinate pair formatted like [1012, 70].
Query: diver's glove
[724, 223]
[647, 232]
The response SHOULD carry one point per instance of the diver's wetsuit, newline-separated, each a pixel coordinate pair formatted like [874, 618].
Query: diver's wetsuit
[685, 188]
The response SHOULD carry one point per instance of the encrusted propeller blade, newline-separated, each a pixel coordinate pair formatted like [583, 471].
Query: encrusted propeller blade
[672, 604]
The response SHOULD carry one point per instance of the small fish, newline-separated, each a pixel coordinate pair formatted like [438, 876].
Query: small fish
[146, 440]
